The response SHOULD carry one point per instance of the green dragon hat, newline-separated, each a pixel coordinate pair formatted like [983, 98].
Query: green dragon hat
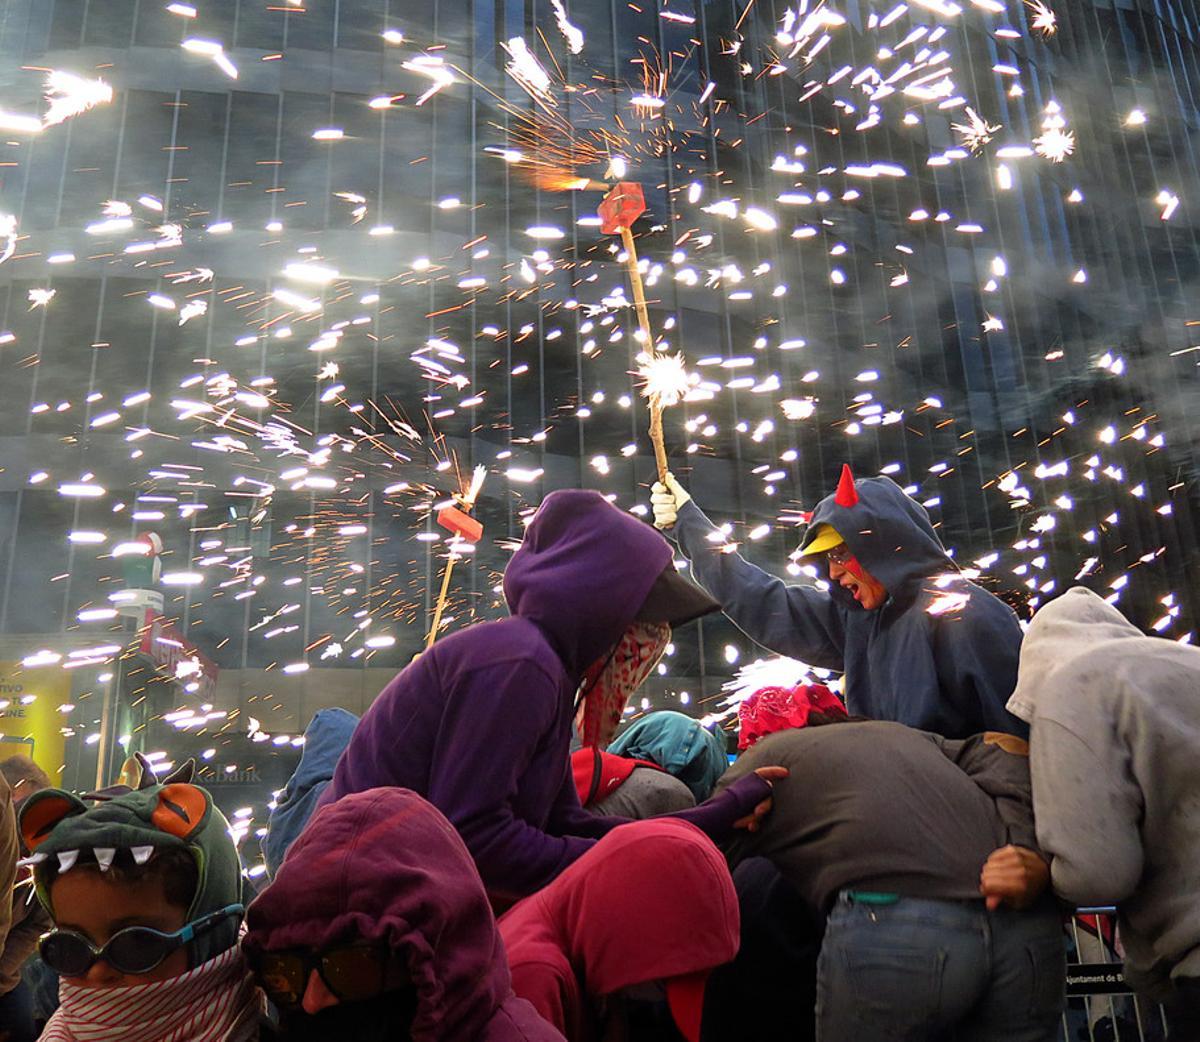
[153, 817]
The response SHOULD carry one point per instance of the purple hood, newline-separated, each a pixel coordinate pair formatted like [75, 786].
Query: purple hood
[582, 574]
[384, 865]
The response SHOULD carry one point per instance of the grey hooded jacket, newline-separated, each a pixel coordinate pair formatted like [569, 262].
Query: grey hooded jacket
[1115, 759]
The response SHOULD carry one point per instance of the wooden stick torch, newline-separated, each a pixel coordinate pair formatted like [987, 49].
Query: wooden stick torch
[623, 205]
[462, 526]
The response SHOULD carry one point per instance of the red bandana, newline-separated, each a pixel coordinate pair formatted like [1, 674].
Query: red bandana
[610, 682]
[772, 709]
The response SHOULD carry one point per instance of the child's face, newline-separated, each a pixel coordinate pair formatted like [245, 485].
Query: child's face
[93, 904]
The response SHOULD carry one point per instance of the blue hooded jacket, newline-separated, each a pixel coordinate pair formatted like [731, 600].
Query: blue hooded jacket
[326, 737]
[949, 670]
[680, 746]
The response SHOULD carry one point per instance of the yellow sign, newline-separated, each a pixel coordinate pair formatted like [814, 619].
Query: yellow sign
[31, 722]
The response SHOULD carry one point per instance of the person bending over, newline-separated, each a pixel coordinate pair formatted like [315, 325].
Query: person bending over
[917, 642]
[886, 830]
[1115, 756]
[651, 905]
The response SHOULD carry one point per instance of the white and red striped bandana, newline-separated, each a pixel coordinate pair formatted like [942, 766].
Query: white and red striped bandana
[215, 1002]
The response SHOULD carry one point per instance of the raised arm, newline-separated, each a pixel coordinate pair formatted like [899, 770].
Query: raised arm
[976, 651]
[799, 621]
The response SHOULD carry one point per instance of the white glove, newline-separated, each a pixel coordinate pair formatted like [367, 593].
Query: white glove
[666, 501]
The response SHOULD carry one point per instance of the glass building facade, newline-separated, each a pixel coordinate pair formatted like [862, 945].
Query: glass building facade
[391, 296]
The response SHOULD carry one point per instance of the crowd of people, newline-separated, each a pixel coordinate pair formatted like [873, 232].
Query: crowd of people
[484, 857]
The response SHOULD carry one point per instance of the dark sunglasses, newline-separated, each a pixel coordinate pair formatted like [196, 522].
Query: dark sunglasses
[134, 950]
[353, 973]
[840, 554]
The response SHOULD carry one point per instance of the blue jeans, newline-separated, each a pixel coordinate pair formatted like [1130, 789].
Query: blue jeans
[920, 969]
[16, 1015]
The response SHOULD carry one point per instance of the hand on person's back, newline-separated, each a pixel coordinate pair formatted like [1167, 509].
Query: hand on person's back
[1014, 876]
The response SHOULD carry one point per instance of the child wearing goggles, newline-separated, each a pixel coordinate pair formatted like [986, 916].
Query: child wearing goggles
[145, 891]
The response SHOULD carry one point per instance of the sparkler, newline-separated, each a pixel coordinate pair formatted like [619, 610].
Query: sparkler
[623, 205]
[462, 526]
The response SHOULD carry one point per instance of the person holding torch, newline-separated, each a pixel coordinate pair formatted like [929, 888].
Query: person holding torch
[916, 642]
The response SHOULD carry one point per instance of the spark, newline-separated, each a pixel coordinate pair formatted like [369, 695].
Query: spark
[70, 95]
[214, 50]
[20, 124]
[1055, 144]
[1169, 201]
[665, 378]
[1044, 19]
[8, 232]
[572, 34]
[435, 70]
[976, 132]
[192, 309]
[524, 67]
[39, 298]
[945, 603]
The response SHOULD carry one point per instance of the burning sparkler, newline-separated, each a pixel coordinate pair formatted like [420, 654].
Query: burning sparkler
[665, 378]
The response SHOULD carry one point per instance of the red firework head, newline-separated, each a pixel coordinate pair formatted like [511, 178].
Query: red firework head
[621, 207]
[847, 495]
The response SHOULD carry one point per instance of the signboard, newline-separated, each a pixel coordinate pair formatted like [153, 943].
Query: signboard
[1097, 978]
[32, 721]
[176, 656]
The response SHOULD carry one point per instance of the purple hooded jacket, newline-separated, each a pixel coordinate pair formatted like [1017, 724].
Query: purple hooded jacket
[480, 725]
[385, 866]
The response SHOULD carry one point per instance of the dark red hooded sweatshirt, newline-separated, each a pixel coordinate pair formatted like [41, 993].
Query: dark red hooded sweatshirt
[385, 865]
[650, 901]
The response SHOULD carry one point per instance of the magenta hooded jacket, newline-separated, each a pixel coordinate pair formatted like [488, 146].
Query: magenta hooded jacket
[385, 866]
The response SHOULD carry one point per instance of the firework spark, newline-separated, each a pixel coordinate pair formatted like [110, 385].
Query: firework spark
[572, 34]
[976, 132]
[8, 232]
[665, 378]
[192, 309]
[39, 298]
[523, 67]
[1044, 20]
[435, 70]
[69, 95]
[1055, 142]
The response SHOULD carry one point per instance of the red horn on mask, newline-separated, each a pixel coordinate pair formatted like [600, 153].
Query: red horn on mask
[847, 495]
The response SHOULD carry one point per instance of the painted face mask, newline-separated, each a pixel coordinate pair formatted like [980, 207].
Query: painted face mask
[610, 682]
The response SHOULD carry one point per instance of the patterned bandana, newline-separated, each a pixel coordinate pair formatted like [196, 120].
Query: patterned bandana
[610, 682]
[215, 1002]
[772, 709]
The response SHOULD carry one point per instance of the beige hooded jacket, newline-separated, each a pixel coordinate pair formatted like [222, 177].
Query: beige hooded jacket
[1115, 759]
